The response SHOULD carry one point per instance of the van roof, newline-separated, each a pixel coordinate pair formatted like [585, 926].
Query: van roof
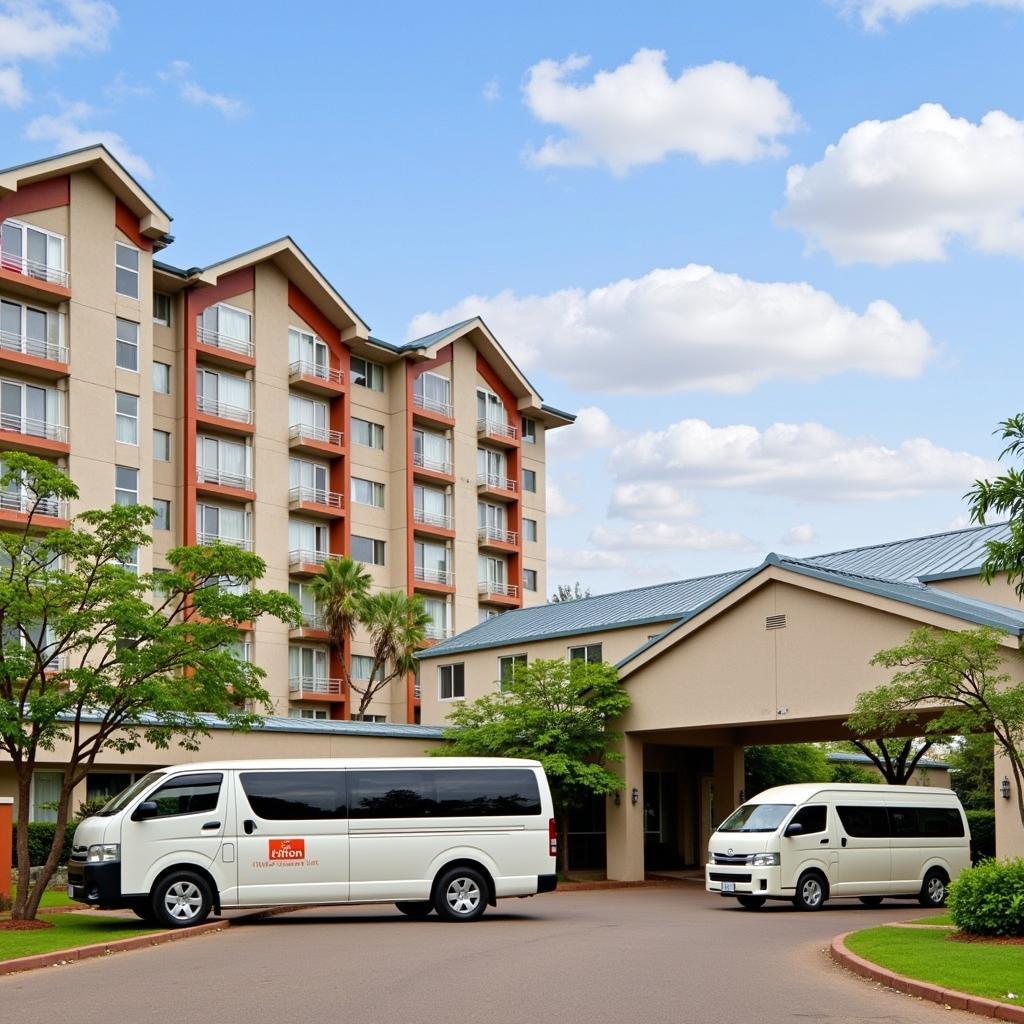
[353, 762]
[798, 793]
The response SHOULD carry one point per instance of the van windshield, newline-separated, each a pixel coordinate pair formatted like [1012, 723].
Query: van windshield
[125, 797]
[756, 818]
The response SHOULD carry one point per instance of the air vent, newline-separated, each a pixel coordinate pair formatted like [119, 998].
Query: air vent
[775, 621]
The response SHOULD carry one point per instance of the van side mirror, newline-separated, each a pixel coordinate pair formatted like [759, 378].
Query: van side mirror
[147, 809]
[794, 828]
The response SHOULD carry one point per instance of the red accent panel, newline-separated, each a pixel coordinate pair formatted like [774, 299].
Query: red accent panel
[310, 312]
[127, 223]
[40, 195]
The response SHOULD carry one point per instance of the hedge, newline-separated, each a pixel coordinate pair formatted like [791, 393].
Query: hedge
[40, 839]
[989, 899]
[983, 833]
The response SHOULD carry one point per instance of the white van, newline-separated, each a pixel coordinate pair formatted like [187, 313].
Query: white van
[814, 841]
[450, 835]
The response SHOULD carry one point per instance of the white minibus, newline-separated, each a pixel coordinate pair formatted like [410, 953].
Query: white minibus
[449, 835]
[815, 841]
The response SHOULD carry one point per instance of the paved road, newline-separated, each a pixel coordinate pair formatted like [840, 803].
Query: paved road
[670, 954]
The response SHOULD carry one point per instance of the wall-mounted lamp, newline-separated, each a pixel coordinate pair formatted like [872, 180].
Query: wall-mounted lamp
[636, 795]
[617, 798]
[1004, 788]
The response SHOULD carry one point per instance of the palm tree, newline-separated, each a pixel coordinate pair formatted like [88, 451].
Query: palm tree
[342, 590]
[398, 626]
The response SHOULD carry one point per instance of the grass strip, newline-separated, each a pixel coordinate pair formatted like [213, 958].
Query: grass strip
[68, 931]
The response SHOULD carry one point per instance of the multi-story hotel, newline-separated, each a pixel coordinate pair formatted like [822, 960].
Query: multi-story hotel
[249, 403]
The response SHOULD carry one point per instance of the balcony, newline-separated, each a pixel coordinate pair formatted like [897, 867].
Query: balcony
[496, 592]
[224, 482]
[29, 277]
[433, 469]
[36, 436]
[315, 688]
[495, 537]
[428, 578]
[235, 419]
[437, 523]
[312, 627]
[495, 485]
[315, 501]
[433, 410]
[222, 348]
[15, 506]
[34, 356]
[435, 632]
[304, 437]
[498, 431]
[308, 561]
[324, 380]
[245, 543]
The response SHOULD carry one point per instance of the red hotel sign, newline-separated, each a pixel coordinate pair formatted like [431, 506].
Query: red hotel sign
[287, 849]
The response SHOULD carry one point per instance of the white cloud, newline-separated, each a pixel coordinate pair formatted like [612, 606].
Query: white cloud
[804, 533]
[65, 131]
[582, 560]
[492, 91]
[12, 89]
[557, 505]
[677, 536]
[891, 191]
[651, 501]
[123, 88]
[638, 114]
[693, 327]
[42, 31]
[180, 73]
[801, 460]
[593, 429]
[873, 13]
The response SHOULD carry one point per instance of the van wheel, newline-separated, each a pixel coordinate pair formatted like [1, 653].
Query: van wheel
[415, 908]
[181, 899]
[811, 891]
[460, 895]
[871, 901]
[751, 902]
[933, 889]
[145, 912]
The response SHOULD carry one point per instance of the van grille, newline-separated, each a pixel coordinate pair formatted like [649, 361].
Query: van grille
[739, 858]
[724, 876]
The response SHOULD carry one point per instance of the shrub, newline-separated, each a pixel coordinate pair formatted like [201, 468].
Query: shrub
[983, 833]
[989, 899]
[40, 839]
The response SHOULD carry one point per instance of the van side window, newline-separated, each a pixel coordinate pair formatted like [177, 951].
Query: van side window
[866, 822]
[295, 796]
[814, 819]
[188, 794]
[926, 822]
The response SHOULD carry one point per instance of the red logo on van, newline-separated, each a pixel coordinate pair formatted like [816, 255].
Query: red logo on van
[287, 849]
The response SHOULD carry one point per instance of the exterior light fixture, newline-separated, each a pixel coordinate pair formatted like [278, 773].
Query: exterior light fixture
[617, 798]
[636, 795]
[1004, 788]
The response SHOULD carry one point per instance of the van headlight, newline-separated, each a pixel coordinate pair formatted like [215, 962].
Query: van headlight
[765, 860]
[103, 853]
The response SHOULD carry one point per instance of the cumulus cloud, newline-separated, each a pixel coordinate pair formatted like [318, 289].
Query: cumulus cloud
[651, 501]
[66, 131]
[678, 536]
[42, 31]
[557, 505]
[892, 191]
[801, 460]
[874, 13]
[693, 327]
[180, 74]
[593, 429]
[804, 533]
[638, 113]
[12, 89]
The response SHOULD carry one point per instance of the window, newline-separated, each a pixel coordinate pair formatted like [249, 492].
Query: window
[222, 525]
[439, 612]
[430, 559]
[814, 819]
[46, 788]
[226, 327]
[590, 653]
[492, 572]
[431, 505]
[451, 682]
[368, 550]
[367, 492]
[162, 445]
[489, 408]
[308, 667]
[507, 670]
[126, 418]
[530, 579]
[317, 714]
[492, 466]
[434, 392]
[530, 480]
[529, 430]
[925, 822]
[311, 415]
[306, 539]
[864, 822]
[126, 354]
[131, 563]
[367, 374]
[126, 270]
[529, 529]
[432, 451]
[309, 481]
[32, 251]
[161, 309]
[362, 666]
[369, 435]
[36, 332]
[224, 462]
[162, 507]
[188, 794]
[309, 351]
[487, 613]
[126, 485]
[162, 378]
[30, 409]
[295, 796]
[368, 718]
[224, 394]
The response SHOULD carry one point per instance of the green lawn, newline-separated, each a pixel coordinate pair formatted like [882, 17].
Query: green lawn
[68, 931]
[934, 919]
[985, 970]
[57, 898]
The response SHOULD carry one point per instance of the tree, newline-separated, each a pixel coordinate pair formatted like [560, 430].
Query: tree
[98, 657]
[341, 591]
[895, 759]
[559, 713]
[971, 775]
[952, 682]
[569, 592]
[781, 764]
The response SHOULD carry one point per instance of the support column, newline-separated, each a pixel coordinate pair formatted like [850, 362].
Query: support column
[728, 762]
[625, 821]
[1009, 830]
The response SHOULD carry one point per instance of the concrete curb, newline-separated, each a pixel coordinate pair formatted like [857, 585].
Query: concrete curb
[594, 886]
[922, 989]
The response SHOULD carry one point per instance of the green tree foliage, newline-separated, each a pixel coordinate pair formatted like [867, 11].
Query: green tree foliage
[569, 592]
[96, 657]
[970, 759]
[557, 712]
[950, 683]
[895, 759]
[781, 764]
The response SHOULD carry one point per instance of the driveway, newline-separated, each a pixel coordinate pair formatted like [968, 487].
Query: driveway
[669, 954]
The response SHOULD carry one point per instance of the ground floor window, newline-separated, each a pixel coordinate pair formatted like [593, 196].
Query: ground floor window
[369, 718]
[313, 713]
[45, 794]
[587, 848]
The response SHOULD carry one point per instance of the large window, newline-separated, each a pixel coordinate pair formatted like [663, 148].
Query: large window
[126, 485]
[188, 794]
[224, 394]
[219, 524]
[226, 327]
[224, 462]
[367, 374]
[369, 435]
[310, 415]
[295, 796]
[362, 666]
[590, 653]
[312, 614]
[31, 409]
[307, 666]
[489, 408]
[309, 481]
[431, 505]
[490, 516]
[492, 466]
[308, 540]
[430, 560]
[432, 451]
[434, 392]
[812, 819]
[314, 714]
[507, 666]
[864, 822]
[126, 270]
[451, 681]
[309, 351]
[368, 550]
[925, 822]
[126, 418]
[32, 251]
[367, 492]
[440, 613]
[127, 345]
[492, 572]
[36, 332]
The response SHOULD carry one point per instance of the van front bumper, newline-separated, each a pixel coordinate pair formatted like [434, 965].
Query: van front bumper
[746, 880]
[97, 885]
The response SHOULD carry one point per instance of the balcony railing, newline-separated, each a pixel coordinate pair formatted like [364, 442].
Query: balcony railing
[243, 652]
[12, 341]
[495, 481]
[223, 410]
[315, 495]
[245, 543]
[223, 477]
[435, 631]
[308, 432]
[493, 533]
[497, 428]
[433, 405]
[313, 620]
[33, 428]
[315, 684]
[25, 502]
[309, 556]
[495, 587]
[434, 465]
[427, 574]
[224, 341]
[33, 268]
[304, 368]
[444, 520]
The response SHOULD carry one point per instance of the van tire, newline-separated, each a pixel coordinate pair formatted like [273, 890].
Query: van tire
[181, 899]
[933, 889]
[871, 901]
[416, 908]
[811, 891]
[460, 894]
[751, 902]
[144, 912]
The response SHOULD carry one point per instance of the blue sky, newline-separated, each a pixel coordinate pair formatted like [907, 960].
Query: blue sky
[440, 160]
